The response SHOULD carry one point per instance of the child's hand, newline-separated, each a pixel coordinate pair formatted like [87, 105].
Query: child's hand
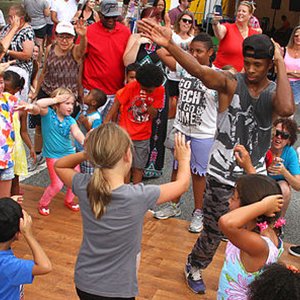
[26, 224]
[242, 157]
[62, 98]
[182, 149]
[273, 204]
[23, 106]
[33, 155]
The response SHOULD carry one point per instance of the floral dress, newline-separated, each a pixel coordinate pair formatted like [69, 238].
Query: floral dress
[234, 278]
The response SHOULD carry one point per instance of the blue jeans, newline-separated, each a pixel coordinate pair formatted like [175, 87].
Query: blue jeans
[295, 85]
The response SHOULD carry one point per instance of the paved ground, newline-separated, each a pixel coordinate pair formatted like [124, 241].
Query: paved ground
[292, 232]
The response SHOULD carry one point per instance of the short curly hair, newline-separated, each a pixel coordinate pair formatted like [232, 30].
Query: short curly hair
[276, 282]
[150, 75]
[291, 126]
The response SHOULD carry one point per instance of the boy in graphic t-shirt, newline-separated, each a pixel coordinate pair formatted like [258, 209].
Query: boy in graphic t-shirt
[140, 101]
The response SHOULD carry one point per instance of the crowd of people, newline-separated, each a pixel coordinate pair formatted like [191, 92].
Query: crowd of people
[99, 97]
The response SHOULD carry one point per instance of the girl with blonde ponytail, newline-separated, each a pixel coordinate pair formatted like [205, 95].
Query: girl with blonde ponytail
[113, 212]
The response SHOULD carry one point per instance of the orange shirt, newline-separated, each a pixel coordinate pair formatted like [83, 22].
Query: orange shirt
[134, 116]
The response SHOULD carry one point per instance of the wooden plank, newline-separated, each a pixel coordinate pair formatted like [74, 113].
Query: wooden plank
[165, 246]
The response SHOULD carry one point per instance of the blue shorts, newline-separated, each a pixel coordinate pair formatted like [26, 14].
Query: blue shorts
[7, 174]
[200, 150]
[295, 85]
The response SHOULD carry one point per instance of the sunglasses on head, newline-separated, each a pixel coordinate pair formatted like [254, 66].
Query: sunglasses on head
[284, 135]
[189, 21]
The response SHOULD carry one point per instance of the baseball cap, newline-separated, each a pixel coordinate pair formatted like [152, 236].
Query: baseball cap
[65, 27]
[109, 8]
[258, 46]
[10, 214]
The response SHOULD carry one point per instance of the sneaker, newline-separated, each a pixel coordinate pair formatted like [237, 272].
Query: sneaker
[168, 211]
[40, 159]
[197, 221]
[295, 250]
[44, 211]
[194, 279]
[31, 165]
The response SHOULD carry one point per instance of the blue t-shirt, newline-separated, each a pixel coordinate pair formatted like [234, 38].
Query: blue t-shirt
[14, 272]
[56, 135]
[290, 161]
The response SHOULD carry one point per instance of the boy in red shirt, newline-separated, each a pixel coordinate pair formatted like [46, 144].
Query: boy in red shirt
[140, 101]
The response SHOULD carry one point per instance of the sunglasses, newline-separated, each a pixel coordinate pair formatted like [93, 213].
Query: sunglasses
[284, 135]
[65, 37]
[189, 21]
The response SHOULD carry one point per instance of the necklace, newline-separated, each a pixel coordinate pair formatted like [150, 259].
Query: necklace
[296, 53]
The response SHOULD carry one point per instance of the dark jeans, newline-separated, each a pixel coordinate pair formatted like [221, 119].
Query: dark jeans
[86, 296]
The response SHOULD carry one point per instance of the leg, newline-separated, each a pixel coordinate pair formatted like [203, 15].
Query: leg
[15, 188]
[215, 205]
[137, 175]
[139, 159]
[54, 187]
[5, 187]
[286, 193]
[69, 198]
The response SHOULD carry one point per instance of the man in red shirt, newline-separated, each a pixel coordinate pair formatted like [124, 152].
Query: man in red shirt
[103, 65]
[140, 101]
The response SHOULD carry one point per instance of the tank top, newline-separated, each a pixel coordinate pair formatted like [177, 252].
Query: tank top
[61, 71]
[292, 64]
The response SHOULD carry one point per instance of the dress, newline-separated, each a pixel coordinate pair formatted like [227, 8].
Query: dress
[234, 278]
[147, 55]
[230, 50]
[7, 136]
[14, 272]
[107, 260]
[19, 153]
[247, 121]
[134, 117]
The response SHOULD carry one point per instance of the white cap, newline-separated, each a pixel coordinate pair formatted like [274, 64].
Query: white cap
[65, 27]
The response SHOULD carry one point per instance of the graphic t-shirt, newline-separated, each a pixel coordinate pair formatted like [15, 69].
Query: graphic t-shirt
[134, 116]
[248, 122]
[196, 112]
[7, 134]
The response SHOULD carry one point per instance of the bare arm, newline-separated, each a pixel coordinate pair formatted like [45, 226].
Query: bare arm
[54, 17]
[243, 159]
[25, 54]
[233, 224]
[173, 190]
[77, 134]
[219, 29]
[152, 111]
[79, 50]
[42, 264]
[113, 112]
[46, 11]
[283, 100]
[167, 58]
[15, 23]
[64, 167]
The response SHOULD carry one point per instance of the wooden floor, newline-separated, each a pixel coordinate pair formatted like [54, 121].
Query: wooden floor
[165, 246]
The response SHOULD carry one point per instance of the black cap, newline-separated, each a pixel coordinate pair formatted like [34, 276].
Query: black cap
[258, 46]
[10, 214]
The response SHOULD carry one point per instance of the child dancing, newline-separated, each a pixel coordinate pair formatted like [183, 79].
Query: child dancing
[113, 212]
[252, 228]
[57, 124]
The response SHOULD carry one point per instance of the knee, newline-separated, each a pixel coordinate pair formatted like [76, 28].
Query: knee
[286, 190]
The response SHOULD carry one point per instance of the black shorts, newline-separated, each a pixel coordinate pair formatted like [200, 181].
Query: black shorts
[86, 296]
[35, 120]
[40, 33]
[173, 88]
[49, 29]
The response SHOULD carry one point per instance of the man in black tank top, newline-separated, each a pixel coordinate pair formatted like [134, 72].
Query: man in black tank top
[247, 105]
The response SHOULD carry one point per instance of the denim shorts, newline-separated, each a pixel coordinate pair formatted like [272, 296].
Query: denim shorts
[295, 85]
[7, 174]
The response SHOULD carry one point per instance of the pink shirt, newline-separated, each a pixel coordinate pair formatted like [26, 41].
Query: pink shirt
[292, 64]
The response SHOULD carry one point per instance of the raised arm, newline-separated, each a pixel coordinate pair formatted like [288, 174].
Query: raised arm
[167, 58]
[211, 78]
[283, 100]
[175, 189]
[219, 29]
[79, 50]
[233, 224]
[42, 264]
[64, 167]
[15, 23]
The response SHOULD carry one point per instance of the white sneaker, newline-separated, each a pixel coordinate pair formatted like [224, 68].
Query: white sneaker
[196, 224]
[168, 211]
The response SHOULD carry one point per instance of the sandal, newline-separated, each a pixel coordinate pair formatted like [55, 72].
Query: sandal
[44, 211]
[72, 206]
